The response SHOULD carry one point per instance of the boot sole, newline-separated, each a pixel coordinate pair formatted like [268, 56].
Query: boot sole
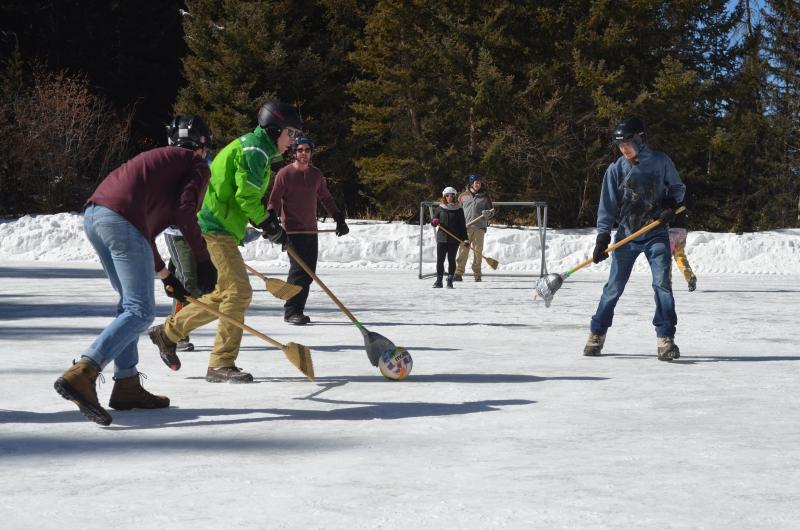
[117, 406]
[591, 354]
[231, 381]
[92, 412]
[172, 364]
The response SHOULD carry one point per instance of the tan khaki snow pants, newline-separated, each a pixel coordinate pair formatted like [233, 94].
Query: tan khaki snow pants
[231, 296]
[475, 236]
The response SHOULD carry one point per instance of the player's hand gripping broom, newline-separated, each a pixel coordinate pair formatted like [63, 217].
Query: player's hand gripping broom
[547, 286]
[298, 355]
[375, 343]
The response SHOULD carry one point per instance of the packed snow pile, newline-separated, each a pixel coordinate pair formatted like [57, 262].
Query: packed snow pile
[375, 244]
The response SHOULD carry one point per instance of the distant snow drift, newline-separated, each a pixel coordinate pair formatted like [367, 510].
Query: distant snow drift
[377, 245]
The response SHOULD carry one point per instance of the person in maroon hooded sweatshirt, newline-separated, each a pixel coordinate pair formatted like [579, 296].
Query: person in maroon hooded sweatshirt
[128, 210]
[295, 193]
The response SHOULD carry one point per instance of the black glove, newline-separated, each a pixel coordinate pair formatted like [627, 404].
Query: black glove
[171, 266]
[175, 289]
[600, 246]
[341, 227]
[206, 276]
[668, 212]
[273, 229]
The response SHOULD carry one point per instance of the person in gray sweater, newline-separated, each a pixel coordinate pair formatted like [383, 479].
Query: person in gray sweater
[476, 204]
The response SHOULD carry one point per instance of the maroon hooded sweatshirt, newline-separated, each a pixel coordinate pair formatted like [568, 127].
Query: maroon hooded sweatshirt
[157, 189]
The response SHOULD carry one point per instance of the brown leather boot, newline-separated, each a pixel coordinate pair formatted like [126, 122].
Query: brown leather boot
[78, 385]
[129, 394]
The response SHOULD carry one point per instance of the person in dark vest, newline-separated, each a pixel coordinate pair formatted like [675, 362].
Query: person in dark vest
[450, 216]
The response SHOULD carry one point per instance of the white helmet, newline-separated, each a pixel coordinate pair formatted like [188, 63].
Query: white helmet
[449, 190]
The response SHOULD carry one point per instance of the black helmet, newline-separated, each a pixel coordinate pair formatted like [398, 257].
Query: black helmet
[190, 132]
[628, 129]
[279, 115]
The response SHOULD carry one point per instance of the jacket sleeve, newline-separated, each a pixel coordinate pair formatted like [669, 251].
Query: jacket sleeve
[461, 225]
[676, 189]
[189, 202]
[609, 201]
[252, 170]
[325, 197]
[278, 192]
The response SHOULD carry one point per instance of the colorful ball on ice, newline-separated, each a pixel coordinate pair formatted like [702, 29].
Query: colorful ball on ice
[395, 364]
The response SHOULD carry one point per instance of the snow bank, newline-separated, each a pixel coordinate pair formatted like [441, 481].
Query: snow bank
[377, 245]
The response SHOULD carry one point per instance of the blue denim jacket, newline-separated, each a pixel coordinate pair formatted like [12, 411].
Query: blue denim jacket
[633, 195]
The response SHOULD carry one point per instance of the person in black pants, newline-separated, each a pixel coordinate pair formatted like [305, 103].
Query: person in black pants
[450, 216]
[297, 189]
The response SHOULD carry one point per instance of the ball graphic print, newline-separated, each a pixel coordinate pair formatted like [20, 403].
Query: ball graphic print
[395, 364]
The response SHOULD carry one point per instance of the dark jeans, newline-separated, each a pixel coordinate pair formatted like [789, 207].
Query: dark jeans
[656, 250]
[307, 247]
[449, 249]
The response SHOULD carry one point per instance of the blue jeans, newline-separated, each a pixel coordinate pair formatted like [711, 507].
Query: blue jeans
[656, 249]
[128, 262]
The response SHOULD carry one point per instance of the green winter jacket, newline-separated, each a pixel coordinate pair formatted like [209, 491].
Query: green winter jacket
[240, 176]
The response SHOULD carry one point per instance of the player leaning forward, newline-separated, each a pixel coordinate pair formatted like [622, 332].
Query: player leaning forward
[127, 211]
[240, 176]
[640, 186]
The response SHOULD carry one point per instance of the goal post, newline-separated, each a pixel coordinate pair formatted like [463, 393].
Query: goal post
[541, 232]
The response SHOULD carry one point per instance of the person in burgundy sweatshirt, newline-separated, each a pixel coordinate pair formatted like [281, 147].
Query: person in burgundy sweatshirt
[295, 193]
[128, 210]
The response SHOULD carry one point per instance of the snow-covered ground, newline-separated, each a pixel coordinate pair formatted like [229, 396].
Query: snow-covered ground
[502, 423]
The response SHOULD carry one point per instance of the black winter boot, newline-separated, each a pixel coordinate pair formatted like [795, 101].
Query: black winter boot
[450, 281]
[438, 283]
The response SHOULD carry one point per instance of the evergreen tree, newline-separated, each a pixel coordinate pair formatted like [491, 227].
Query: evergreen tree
[782, 24]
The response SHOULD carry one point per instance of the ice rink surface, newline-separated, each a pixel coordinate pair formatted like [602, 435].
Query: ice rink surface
[502, 423]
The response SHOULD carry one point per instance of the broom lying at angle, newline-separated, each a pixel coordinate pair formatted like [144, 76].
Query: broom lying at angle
[493, 263]
[547, 286]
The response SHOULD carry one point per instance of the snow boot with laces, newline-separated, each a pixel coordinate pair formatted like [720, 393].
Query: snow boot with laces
[78, 385]
[228, 374]
[594, 345]
[128, 393]
[166, 348]
[667, 349]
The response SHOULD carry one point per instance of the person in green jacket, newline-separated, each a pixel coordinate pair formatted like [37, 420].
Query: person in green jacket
[240, 176]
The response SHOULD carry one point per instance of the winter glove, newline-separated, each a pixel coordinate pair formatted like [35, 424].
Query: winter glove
[600, 246]
[206, 276]
[435, 222]
[341, 227]
[668, 212]
[175, 289]
[273, 230]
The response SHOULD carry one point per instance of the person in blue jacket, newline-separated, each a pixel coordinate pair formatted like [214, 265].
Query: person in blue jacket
[641, 185]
